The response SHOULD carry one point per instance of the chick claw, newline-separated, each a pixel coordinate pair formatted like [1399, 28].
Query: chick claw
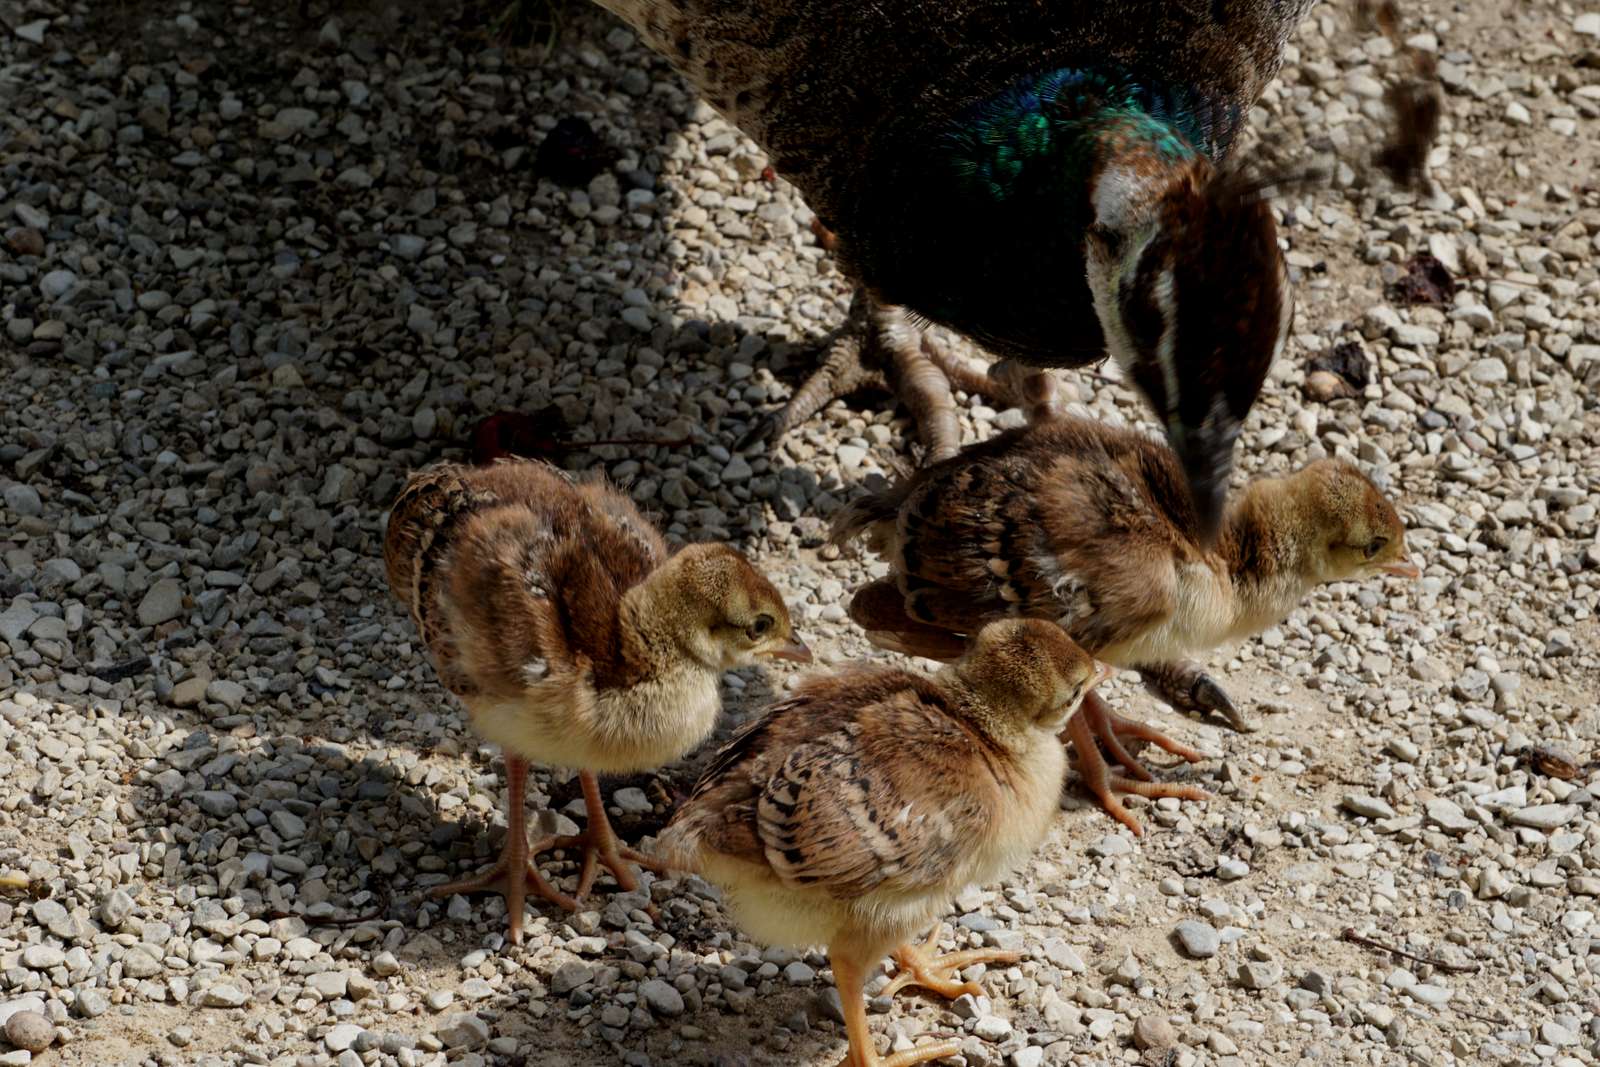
[1186, 687]
[919, 965]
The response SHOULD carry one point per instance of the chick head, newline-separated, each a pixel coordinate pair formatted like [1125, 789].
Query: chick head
[728, 613]
[1356, 531]
[1029, 672]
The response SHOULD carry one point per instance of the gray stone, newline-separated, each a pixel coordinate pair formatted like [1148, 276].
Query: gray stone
[1258, 974]
[661, 997]
[16, 620]
[569, 976]
[341, 1037]
[91, 1004]
[217, 803]
[23, 500]
[42, 957]
[163, 602]
[1111, 845]
[799, 973]
[141, 961]
[57, 284]
[1448, 816]
[1200, 940]
[1370, 807]
[228, 693]
[1154, 1031]
[464, 1030]
[223, 996]
[1545, 816]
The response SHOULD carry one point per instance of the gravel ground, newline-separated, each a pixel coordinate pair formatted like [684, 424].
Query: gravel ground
[256, 267]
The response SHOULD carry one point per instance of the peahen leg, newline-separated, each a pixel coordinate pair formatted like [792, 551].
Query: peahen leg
[1187, 687]
[878, 345]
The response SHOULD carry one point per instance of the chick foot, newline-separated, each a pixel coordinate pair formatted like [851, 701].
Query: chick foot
[849, 976]
[1094, 724]
[877, 346]
[514, 873]
[1187, 687]
[920, 965]
[601, 848]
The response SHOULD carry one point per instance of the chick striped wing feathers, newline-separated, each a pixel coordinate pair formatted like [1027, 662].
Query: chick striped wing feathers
[817, 791]
[514, 572]
[1067, 520]
[844, 814]
[424, 522]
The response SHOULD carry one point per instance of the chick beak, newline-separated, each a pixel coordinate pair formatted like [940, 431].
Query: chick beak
[1402, 568]
[1207, 455]
[793, 650]
[1102, 672]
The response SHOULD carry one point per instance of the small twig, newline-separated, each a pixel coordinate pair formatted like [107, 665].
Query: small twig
[1480, 1017]
[1452, 968]
[354, 920]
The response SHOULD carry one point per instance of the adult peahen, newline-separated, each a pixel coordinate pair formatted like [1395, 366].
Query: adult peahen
[1045, 177]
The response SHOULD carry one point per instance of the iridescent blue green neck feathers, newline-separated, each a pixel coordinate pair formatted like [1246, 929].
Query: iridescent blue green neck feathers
[1073, 116]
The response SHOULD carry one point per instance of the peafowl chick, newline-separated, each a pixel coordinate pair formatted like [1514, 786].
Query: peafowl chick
[1091, 526]
[854, 812]
[554, 611]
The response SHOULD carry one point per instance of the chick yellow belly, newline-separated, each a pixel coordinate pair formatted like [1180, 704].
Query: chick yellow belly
[774, 913]
[618, 731]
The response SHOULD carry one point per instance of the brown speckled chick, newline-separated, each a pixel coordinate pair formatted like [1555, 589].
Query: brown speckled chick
[854, 812]
[1091, 526]
[554, 611]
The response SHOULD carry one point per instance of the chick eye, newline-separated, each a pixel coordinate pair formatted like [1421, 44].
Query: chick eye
[760, 627]
[1375, 546]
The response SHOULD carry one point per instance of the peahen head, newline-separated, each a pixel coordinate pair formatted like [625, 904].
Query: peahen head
[1193, 296]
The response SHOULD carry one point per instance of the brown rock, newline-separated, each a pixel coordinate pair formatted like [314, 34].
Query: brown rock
[1154, 1031]
[30, 1030]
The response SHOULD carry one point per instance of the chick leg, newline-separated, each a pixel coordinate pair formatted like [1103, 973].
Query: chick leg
[600, 845]
[850, 976]
[920, 965]
[1095, 723]
[1187, 687]
[878, 345]
[513, 873]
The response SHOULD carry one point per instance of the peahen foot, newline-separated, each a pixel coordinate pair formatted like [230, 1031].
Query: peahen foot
[1187, 687]
[881, 347]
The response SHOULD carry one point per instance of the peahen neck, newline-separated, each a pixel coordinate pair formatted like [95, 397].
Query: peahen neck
[979, 226]
[1055, 132]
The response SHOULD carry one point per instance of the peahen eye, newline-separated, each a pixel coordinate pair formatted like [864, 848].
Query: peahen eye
[1108, 238]
[761, 626]
[1375, 546]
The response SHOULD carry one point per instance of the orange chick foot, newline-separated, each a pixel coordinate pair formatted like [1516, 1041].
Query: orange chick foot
[920, 965]
[512, 876]
[937, 1050]
[1095, 724]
